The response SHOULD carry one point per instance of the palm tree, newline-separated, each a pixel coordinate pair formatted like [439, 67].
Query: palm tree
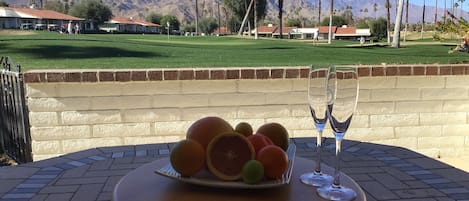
[388, 21]
[196, 17]
[280, 17]
[397, 32]
[329, 40]
[436, 12]
[423, 20]
[375, 8]
[406, 19]
[319, 12]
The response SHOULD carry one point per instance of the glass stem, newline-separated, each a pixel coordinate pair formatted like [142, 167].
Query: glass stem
[338, 150]
[318, 152]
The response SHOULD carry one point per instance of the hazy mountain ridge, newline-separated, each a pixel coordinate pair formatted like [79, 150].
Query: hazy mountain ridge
[306, 9]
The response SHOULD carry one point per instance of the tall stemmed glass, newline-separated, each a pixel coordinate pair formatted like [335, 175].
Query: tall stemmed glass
[317, 101]
[342, 87]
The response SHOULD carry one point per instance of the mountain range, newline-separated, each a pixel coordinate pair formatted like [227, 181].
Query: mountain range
[303, 9]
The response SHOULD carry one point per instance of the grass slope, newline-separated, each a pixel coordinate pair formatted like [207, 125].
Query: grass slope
[46, 50]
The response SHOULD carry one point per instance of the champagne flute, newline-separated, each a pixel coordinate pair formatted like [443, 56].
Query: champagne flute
[317, 105]
[342, 83]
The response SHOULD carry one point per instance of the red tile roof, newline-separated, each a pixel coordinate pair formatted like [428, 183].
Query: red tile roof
[45, 14]
[285, 30]
[222, 30]
[266, 29]
[346, 30]
[126, 20]
[325, 29]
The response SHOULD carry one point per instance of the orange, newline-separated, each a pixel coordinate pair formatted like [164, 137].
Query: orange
[274, 160]
[244, 128]
[253, 172]
[207, 128]
[259, 141]
[226, 155]
[187, 157]
[277, 133]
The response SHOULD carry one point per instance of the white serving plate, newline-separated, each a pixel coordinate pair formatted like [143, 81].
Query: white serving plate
[204, 178]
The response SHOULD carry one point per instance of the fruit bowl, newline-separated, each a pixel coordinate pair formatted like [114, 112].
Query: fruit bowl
[204, 178]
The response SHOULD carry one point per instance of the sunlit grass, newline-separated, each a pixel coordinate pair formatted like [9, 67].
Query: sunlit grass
[46, 50]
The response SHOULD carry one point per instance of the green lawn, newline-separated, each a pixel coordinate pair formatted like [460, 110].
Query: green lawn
[46, 50]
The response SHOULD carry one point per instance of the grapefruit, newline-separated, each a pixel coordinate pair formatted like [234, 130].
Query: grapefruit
[277, 133]
[207, 128]
[259, 142]
[274, 160]
[226, 155]
[253, 172]
[187, 157]
[244, 128]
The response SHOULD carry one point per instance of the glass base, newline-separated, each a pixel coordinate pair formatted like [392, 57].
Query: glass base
[336, 193]
[316, 179]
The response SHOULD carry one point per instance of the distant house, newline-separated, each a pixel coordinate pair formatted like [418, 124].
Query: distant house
[222, 31]
[324, 32]
[130, 25]
[351, 33]
[273, 31]
[39, 19]
[305, 33]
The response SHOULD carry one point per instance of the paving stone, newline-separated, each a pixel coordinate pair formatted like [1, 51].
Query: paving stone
[59, 189]
[125, 166]
[74, 181]
[428, 163]
[7, 185]
[416, 184]
[360, 177]
[105, 196]
[25, 190]
[117, 154]
[377, 190]
[436, 181]
[459, 196]
[427, 176]
[418, 172]
[17, 172]
[44, 176]
[15, 199]
[49, 162]
[397, 173]
[110, 183]
[106, 173]
[454, 190]
[361, 170]
[416, 199]
[76, 163]
[163, 151]
[65, 166]
[388, 181]
[87, 160]
[83, 154]
[453, 174]
[18, 195]
[101, 165]
[97, 158]
[129, 154]
[418, 193]
[76, 172]
[87, 192]
[30, 185]
[123, 161]
[116, 149]
[37, 181]
[141, 153]
[447, 185]
[59, 197]
[39, 197]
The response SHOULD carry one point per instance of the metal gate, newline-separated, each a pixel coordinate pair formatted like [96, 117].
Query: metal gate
[15, 138]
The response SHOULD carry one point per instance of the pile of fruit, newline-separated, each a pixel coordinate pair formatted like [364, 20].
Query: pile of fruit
[232, 153]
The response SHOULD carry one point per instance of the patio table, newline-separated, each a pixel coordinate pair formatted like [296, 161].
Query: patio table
[142, 184]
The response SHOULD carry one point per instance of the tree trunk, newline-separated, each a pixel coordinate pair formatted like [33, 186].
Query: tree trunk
[319, 13]
[280, 18]
[388, 21]
[436, 12]
[406, 19]
[329, 40]
[397, 32]
[255, 20]
[423, 20]
[196, 17]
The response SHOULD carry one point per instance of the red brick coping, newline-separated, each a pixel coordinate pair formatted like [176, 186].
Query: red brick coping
[38, 76]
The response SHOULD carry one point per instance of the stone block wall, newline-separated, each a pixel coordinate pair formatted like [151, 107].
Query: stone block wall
[421, 107]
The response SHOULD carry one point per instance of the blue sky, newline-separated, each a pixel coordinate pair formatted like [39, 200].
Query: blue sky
[432, 2]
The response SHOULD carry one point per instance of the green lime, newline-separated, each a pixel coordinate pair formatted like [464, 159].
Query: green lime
[244, 128]
[253, 172]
